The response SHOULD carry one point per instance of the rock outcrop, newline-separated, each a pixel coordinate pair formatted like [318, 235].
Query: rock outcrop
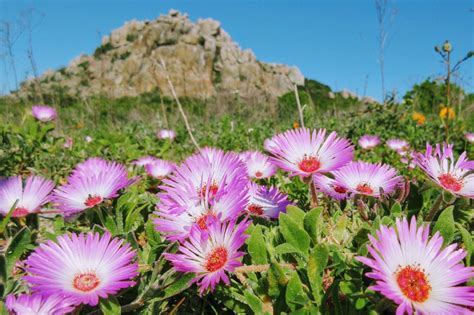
[201, 60]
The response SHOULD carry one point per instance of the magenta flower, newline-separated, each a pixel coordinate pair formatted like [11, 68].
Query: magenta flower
[90, 184]
[266, 202]
[451, 175]
[303, 153]
[368, 142]
[166, 134]
[211, 253]
[43, 113]
[469, 137]
[199, 178]
[330, 187]
[39, 304]
[143, 161]
[68, 143]
[159, 168]
[211, 153]
[34, 194]
[258, 164]
[269, 145]
[82, 267]
[367, 179]
[398, 145]
[414, 272]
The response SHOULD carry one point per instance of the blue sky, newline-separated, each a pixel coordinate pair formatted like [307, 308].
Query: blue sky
[334, 42]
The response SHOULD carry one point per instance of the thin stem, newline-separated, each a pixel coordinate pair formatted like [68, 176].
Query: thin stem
[314, 195]
[300, 110]
[175, 96]
[435, 208]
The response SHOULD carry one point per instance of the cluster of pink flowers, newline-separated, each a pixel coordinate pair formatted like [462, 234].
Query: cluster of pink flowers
[205, 206]
[155, 167]
[207, 203]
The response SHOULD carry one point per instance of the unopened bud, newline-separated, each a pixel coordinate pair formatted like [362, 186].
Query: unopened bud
[447, 46]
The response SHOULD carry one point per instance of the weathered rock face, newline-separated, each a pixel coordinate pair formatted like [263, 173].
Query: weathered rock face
[201, 60]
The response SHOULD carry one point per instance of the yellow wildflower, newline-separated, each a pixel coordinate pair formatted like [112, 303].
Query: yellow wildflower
[419, 118]
[447, 112]
[296, 125]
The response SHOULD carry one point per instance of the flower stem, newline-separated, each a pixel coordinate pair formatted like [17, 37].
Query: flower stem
[435, 208]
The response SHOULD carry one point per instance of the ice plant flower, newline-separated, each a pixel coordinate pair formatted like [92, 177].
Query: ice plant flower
[201, 178]
[44, 113]
[82, 267]
[269, 145]
[367, 179]
[92, 182]
[39, 304]
[258, 164]
[210, 253]
[30, 197]
[442, 168]
[469, 137]
[211, 153]
[266, 202]
[397, 144]
[303, 152]
[159, 168]
[416, 273]
[166, 134]
[368, 142]
[330, 187]
[144, 160]
[175, 224]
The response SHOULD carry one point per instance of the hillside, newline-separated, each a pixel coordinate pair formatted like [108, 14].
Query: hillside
[201, 58]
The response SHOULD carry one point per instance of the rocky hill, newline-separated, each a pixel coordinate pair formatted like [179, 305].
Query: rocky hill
[201, 59]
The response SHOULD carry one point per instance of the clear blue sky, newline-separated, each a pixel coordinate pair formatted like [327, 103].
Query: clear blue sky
[334, 42]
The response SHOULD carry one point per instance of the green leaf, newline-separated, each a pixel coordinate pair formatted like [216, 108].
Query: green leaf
[396, 208]
[317, 262]
[254, 302]
[311, 222]
[3, 269]
[6, 219]
[17, 247]
[445, 225]
[257, 247]
[294, 291]
[110, 306]
[296, 214]
[286, 248]
[181, 284]
[294, 234]
[276, 279]
[468, 242]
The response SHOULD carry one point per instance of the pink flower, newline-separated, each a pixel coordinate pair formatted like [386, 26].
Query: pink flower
[39, 304]
[34, 194]
[43, 113]
[266, 202]
[330, 187]
[368, 142]
[82, 267]
[159, 168]
[90, 184]
[258, 164]
[166, 134]
[416, 273]
[210, 253]
[303, 152]
[361, 178]
[443, 169]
